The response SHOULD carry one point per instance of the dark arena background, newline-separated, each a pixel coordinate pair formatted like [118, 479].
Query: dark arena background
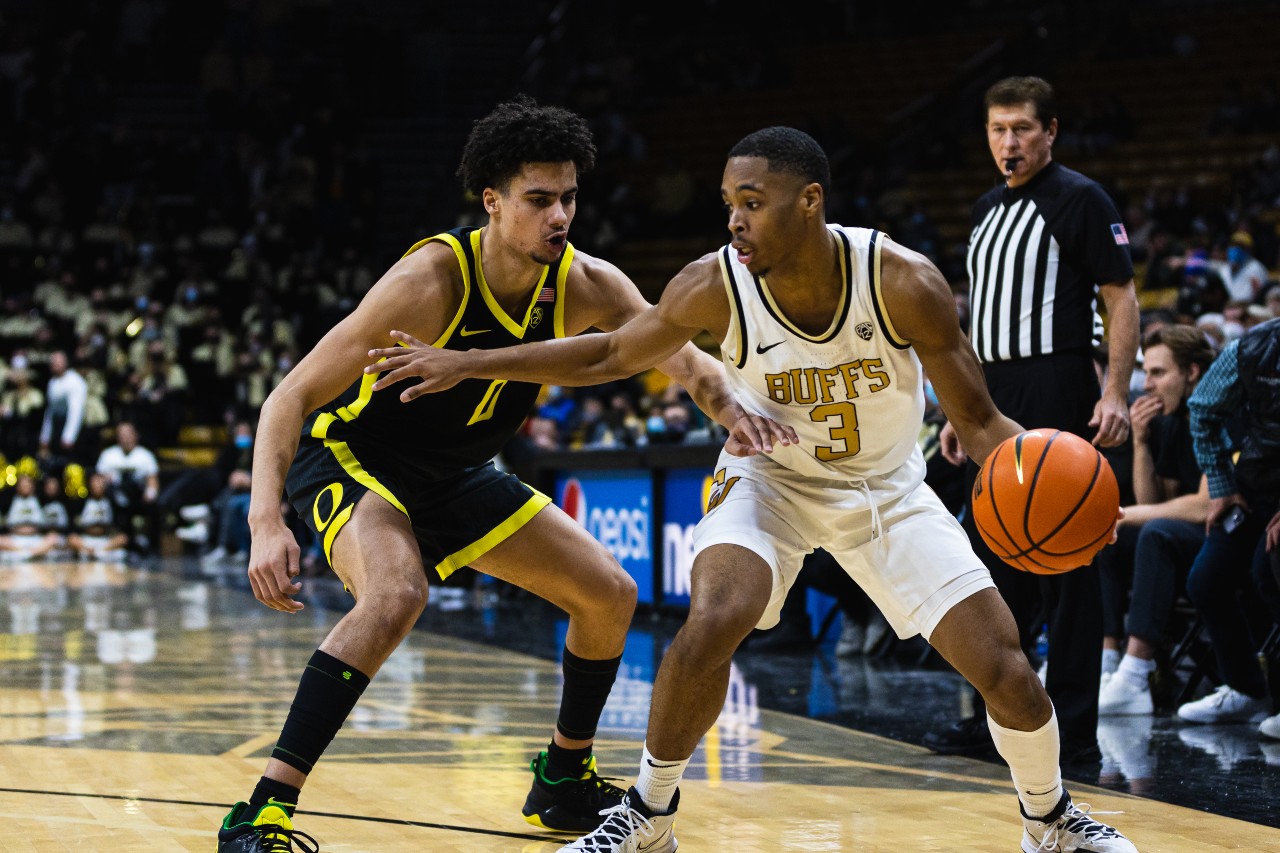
[193, 193]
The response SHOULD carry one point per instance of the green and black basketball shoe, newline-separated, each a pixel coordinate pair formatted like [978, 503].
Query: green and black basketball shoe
[569, 804]
[268, 829]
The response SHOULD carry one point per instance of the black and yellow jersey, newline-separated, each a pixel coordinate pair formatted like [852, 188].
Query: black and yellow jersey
[468, 424]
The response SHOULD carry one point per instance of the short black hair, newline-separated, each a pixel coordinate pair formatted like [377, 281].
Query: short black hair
[520, 131]
[788, 150]
[1016, 91]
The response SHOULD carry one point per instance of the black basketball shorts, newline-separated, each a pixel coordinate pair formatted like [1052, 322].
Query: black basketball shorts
[456, 518]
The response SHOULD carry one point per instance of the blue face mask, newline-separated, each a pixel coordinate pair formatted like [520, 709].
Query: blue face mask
[1237, 255]
[244, 442]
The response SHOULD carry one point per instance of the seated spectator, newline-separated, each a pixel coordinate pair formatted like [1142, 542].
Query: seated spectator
[231, 540]
[26, 537]
[96, 534]
[1242, 273]
[56, 519]
[1160, 535]
[134, 479]
[1243, 522]
[668, 424]
[204, 486]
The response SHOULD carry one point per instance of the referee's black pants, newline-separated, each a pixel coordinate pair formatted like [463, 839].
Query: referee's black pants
[1056, 391]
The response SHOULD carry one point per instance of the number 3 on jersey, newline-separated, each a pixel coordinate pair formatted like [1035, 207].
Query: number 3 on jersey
[842, 419]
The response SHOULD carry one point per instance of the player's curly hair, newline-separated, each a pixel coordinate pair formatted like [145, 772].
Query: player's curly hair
[788, 150]
[518, 132]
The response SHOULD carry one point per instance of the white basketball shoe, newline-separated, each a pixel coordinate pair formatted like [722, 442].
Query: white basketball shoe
[631, 827]
[1070, 829]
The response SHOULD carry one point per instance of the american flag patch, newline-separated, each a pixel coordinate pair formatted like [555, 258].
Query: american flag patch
[1121, 235]
[548, 294]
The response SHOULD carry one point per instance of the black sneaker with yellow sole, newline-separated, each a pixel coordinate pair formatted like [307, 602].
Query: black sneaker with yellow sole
[569, 804]
[266, 829]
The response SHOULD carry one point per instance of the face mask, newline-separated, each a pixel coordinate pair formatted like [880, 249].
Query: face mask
[244, 442]
[1236, 255]
[656, 424]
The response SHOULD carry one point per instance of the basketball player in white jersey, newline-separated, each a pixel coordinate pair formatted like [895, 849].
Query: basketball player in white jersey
[825, 329]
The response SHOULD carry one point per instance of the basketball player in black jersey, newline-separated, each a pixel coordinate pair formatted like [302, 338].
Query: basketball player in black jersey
[396, 492]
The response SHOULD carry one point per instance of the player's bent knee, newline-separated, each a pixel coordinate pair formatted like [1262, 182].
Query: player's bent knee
[396, 606]
[722, 627]
[1006, 679]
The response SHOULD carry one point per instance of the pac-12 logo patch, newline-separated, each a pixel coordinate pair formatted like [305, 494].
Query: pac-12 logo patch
[863, 330]
[536, 317]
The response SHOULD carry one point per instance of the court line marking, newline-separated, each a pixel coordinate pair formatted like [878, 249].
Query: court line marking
[419, 824]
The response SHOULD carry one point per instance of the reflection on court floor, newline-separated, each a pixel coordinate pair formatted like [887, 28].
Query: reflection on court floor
[138, 704]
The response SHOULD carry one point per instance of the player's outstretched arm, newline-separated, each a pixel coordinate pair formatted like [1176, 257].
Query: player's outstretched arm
[649, 338]
[612, 300]
[923, 313]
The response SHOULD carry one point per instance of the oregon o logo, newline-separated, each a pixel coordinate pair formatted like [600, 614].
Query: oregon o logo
[336, 490]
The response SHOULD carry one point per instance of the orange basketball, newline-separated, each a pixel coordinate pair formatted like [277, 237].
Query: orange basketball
[1045, 501]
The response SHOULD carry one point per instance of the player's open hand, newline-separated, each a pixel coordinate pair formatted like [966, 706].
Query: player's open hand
[273, 565]
[439, 368]
[752, 434]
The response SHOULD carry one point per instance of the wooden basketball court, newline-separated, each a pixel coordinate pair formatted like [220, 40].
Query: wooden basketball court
[137, 706]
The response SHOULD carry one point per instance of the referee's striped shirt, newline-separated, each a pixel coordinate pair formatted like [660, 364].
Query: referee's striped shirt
[1037, 254]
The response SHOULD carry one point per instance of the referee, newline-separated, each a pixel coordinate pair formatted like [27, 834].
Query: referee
[1046, 242]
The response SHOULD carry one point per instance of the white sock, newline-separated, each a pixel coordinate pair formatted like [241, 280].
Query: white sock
[1033, 762]
[658, 780]
[1110, 660]
[1136, 671]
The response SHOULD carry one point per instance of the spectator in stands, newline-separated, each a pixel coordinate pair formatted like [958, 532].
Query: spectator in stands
[219, 488]
[56, 518]
[1243, 524]
[231, 539]
[134, 478]
[1162, 533]
[668, 423]
[161, 389]
[1242, 273]
[21, 413]
[26, 536]
[96, 533]
[1271, 298]
[64, 409]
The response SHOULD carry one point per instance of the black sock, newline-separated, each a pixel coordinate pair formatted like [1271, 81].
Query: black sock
[586, 688]
[326, 694]
[272, 789]
[565, 763]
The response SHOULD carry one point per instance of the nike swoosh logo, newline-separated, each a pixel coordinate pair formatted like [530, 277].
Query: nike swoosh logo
[761, 350]
[653, 764]
[465, 331]
[658, 843]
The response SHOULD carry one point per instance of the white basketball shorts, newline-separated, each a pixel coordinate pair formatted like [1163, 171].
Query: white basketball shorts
[907, 552]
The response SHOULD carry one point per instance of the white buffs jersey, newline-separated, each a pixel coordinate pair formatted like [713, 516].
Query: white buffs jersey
[853, 392]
